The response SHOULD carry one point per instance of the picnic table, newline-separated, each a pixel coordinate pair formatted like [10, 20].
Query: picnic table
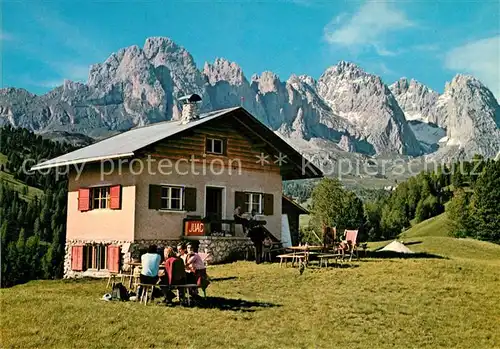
[132, 267]
[300, 253]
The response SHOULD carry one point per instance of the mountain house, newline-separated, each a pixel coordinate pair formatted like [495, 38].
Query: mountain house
[176, 180]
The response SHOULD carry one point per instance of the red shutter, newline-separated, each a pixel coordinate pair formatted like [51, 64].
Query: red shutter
[113, 258]
[77, 258]
[115, 197]
[83, 199]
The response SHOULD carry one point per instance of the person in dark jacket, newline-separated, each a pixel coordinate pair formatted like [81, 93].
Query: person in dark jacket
[257, 234]
[174, 274]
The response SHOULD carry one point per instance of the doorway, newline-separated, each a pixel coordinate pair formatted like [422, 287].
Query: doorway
[214, 207]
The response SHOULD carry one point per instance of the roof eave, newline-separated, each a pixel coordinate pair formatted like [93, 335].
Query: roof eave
[297, 205]
[43, 165]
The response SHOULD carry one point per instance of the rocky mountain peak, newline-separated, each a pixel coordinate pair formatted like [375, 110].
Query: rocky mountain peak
[347, 68]
[415, 99]
[346, 108]
[470, 87]
[224, 70]
[267, 82]
[364, 100]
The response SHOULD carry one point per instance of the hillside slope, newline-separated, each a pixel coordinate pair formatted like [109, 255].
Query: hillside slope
[26, 192]
[433, 236]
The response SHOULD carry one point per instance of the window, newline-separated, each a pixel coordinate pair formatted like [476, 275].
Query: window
[215, 146]
[254, 202]
[94, 257]
[171, 198]
[100, 197]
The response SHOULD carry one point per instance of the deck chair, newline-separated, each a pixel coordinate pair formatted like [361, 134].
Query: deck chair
[350, 238]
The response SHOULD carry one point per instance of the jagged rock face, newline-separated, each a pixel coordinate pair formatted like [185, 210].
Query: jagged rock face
[471, 115]
[366, 102]
[227, 87]
[292, 107]
[463, 121]
[346, 144]
[415, 99]
[346, 109]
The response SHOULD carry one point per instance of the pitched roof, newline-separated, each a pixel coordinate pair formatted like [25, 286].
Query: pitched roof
[294, 203]
[126, 144]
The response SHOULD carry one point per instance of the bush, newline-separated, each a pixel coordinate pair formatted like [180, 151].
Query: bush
[459, 212]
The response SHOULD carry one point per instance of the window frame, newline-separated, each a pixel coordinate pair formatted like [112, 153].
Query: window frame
[249, 202]
[106, 199]
[169, 198]
[95, 257]
[212, 141]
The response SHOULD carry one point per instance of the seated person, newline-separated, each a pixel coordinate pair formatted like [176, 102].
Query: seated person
[252, 221]
[182, 252]
[197, 269]
[150, 262]
[174, 274]
[239, 219]
[267, 241]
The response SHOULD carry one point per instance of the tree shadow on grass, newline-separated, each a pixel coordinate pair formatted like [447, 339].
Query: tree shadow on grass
[232, 304]
[396, 255]
[339, 265]
[409, 243]
[227, 278]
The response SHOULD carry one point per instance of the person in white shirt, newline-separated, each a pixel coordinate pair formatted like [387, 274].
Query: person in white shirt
[150, 262]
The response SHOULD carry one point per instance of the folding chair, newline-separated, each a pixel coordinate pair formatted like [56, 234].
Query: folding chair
[350, 237]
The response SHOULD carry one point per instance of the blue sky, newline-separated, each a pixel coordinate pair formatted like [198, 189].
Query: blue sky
[43, 43]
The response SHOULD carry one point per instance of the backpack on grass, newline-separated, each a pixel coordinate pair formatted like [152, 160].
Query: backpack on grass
[119, 292]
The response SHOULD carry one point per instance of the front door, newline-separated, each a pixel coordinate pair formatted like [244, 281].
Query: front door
[213, 206]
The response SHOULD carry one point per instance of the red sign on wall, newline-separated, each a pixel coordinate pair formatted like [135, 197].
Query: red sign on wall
[194, 228]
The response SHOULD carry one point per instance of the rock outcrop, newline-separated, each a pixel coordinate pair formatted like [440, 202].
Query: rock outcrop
[366, 102]
[347, 109]
[461, 122]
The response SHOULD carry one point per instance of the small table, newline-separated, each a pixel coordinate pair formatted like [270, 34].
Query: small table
[138, 264]
[306, 249]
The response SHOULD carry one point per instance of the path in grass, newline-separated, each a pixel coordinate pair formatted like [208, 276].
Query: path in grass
[375, 303]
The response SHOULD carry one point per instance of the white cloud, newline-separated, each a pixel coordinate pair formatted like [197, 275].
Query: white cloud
[480, 58]
[73, 71]
[426, 47]
[367, 27]
[4, 36]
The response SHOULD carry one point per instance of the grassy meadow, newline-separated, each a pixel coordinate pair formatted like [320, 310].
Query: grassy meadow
[450, 301]
[16, 184]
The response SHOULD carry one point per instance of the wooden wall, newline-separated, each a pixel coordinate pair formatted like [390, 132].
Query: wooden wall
[241, 144]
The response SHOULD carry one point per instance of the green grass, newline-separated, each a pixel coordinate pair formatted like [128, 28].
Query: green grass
[450, 302]
[16, 184]
[435, 226]
[3, 159]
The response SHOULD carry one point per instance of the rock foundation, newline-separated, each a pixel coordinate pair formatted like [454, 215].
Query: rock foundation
[218, 249]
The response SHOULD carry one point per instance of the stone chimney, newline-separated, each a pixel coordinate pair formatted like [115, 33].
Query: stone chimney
[189, 108]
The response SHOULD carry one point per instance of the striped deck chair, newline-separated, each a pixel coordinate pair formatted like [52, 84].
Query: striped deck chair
[350, 239]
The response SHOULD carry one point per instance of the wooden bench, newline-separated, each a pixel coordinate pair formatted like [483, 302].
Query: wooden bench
[147, 291]
[146, 294]
[187, 287]
[325, 257]
[114, 277]
[268, 251]
[293, 256]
